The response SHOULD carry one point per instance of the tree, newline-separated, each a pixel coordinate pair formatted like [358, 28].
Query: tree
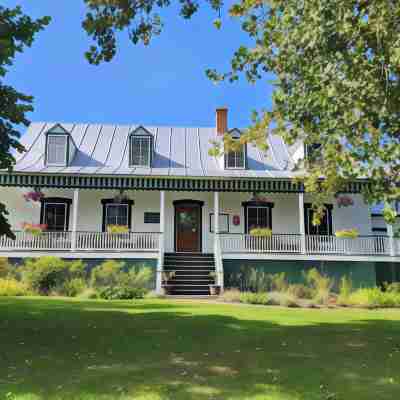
[337, 69]
[16, 32]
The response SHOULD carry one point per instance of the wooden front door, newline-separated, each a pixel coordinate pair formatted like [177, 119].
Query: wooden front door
[188, 227]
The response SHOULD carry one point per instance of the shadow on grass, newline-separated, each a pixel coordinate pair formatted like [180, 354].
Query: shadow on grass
[55, 349]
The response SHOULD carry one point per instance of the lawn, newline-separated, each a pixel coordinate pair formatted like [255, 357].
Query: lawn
[159, 349]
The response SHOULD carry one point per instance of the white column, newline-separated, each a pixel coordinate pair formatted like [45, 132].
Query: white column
[160, 263]
[216, 213]
[301, 223]
[75, 203]
[217, 248]
[391, 239]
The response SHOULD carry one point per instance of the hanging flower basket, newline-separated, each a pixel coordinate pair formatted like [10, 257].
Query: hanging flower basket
[261, 232]
[345, 201]
[33, 196]
[34, 229]
[117, 229]
[347, 233]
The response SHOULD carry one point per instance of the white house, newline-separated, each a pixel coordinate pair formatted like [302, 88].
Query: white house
[162, 184]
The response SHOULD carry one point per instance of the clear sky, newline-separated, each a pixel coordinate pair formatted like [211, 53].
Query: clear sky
[162, 84]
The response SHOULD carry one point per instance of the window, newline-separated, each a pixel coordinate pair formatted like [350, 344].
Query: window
[56, 149]
[140, 152]
[325, 228]
[257, 215]
[151, 217]
[55, 214]
[223, 223]
[117, 213]
[235, 159]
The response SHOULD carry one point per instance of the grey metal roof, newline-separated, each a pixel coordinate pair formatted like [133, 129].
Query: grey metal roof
[103, 150]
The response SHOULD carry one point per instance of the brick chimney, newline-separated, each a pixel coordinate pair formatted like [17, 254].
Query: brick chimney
[221, 120]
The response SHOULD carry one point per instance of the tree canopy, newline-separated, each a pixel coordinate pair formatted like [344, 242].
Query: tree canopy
[16, 32]
[337, 66]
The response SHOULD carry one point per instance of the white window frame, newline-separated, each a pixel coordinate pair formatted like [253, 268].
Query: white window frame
[65, 137]
[115, 205]
[56, 204]
[236, 157]
[149, 139]
[220, 215]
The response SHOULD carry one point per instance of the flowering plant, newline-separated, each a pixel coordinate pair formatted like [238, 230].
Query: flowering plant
[34, 229]
[35, 196]
[116, 229]
[261, 232]
[345, 201]
[259, 198]
[347, 233]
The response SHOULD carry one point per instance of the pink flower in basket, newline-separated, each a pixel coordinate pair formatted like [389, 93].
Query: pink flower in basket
[35, 196]
[345, 201]
[34, 229]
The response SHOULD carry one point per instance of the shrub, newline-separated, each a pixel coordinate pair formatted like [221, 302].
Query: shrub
[320, 284]
[121, 293]
[88, 293]
[47, 275]
[230, 295]
[345, 289]
[282, 299]
[106, 274]
[374, 297]
[279, 282]
[139, 278]
[300, 291]
[44, 274]
[253, 298]
[71, 287]
[12, 287]
[392, 287]
[5, 268]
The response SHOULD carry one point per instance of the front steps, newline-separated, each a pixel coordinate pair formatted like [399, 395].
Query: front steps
[190, 273]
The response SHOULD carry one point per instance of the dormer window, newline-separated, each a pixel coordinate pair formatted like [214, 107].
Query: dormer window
[60, 147]
[141, 148]
[236, 158]
[57, 149]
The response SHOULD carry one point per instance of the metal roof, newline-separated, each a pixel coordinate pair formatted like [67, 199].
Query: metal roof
[179, 152]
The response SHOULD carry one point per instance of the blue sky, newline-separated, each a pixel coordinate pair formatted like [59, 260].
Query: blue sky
[162, 84]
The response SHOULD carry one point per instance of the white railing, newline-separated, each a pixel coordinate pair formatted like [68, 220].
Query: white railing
[315, 244]
[396, 243]
[85, 241]
[44, 241]
[131, 241]
[277, 243]
[367, 245]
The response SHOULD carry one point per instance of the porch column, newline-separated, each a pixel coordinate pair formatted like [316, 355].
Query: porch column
[160, 263]
[74, 219]
[217, 245]
[391, 239]
[301, 223]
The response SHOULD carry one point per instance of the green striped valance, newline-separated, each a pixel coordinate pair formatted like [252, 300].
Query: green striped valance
[155, 183]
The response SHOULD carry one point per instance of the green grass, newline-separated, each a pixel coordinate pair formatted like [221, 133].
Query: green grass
[158, 349]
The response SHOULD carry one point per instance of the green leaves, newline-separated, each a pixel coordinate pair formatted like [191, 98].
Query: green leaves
[17, 31]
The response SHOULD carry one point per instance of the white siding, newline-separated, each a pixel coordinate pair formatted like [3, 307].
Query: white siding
[285, 214]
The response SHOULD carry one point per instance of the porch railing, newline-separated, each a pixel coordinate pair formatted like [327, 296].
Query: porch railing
[363, 245]
[277, 243]
[44, 241]
[315, 244]
[85, 241]
[131, 241]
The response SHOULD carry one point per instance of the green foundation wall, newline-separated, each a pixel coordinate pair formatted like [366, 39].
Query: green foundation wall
[362, 274]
